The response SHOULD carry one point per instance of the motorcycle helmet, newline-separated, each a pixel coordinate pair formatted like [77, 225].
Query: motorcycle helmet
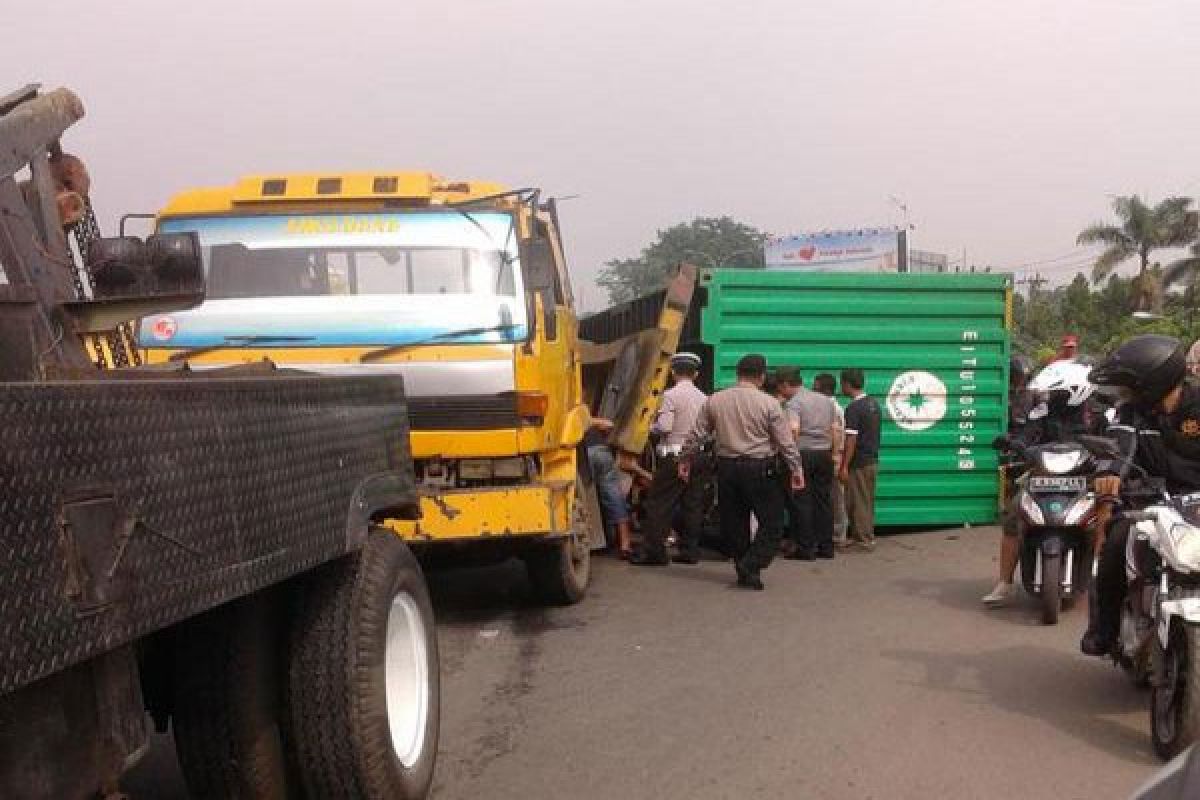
[1146, 368]
[1066, 382]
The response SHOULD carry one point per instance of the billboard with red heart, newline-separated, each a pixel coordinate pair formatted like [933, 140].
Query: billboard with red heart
[863, 250]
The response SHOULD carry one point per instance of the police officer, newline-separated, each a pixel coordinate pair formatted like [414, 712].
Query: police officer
[681, 405]
[812, 526]
[751, 431]
[1161, 408]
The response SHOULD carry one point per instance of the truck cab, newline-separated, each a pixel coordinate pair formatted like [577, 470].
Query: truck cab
[458, 286]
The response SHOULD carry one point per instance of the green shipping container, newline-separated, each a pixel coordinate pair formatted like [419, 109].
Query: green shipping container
[935, 350]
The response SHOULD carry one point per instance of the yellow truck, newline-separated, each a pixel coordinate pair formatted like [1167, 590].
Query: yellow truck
[459, 286]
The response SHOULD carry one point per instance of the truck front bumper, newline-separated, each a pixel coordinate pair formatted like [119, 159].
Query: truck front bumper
[464, 514]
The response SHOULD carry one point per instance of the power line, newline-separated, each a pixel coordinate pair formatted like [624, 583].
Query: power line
[1073, 254]
[1034, 283]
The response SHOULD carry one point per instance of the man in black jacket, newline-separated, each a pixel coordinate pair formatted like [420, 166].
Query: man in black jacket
[1160, 412]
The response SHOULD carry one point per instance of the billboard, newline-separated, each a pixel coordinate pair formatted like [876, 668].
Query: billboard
[865, 250]
[927, 261]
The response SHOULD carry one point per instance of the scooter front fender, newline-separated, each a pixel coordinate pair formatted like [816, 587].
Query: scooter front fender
[1185, 609]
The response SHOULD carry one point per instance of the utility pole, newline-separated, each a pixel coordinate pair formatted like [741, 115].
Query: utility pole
[1034, 283]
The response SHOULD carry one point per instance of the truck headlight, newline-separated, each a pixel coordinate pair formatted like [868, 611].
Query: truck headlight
[475, 469]
[509, 467]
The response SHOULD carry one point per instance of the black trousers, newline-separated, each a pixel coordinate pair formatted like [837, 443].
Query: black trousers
[667, 492]
[746, 486]
[791, 511]
[1111, 581]
[811, 527]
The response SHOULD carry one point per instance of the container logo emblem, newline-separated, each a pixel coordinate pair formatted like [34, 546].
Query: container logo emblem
[164, 329]
[917, 400]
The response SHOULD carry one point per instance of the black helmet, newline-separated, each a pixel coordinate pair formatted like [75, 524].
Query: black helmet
[1149, 366]
[1019, 369]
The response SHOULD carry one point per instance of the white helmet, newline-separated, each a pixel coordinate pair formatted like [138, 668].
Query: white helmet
[1065, 376]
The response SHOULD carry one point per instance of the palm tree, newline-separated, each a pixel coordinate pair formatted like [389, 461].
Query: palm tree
[1186, 269]
[1142, 229]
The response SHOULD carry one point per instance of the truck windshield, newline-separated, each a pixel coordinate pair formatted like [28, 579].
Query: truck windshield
[351, 279]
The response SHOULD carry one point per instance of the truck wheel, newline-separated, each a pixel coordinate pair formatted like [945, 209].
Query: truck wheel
[559, 570]
[226, 702]
[363, 686]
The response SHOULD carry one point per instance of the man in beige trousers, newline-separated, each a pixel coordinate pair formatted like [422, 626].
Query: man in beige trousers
[860, 464]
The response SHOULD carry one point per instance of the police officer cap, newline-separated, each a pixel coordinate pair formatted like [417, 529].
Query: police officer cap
[685, 360]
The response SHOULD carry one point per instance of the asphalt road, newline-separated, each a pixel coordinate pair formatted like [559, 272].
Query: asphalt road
[873, 676]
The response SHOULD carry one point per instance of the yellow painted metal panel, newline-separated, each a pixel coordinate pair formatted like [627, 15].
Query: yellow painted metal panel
[488, 513]
[354, 191]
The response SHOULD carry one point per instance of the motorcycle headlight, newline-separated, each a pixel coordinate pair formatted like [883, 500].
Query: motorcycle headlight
[1062, 463]
[1184, 550]
[1079, 510]
[1031, 509]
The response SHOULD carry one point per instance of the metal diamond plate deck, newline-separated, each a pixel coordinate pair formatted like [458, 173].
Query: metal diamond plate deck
[226, 485]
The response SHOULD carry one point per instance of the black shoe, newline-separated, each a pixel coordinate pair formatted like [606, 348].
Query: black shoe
[801, 555]
[685, 557]
[750, 582]
[1095, 643]
[747, 579]
[825, 553]
[641, 559]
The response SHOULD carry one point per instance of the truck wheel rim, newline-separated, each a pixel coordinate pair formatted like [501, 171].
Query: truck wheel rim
[406, 679]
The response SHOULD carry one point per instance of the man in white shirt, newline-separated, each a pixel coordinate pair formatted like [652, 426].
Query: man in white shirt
[826, 384]
[676, 416]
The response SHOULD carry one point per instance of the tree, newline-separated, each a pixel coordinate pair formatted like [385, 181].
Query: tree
[705, 242]
[1077, 307]
[1094, 316]
[1141, 230]
[1184, 271]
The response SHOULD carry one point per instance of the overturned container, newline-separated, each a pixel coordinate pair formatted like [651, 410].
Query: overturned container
[935, 351]
[934, 347]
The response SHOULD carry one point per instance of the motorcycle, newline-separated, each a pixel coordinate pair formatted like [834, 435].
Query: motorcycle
[1159, 643]
[1055, 504]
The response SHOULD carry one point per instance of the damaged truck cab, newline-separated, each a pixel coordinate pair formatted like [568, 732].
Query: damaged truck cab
[461, 287]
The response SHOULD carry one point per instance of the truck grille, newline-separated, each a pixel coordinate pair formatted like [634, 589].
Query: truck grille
[463, 413]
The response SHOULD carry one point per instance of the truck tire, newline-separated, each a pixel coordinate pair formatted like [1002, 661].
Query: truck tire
[559, 570]
[363, 695]
[226, 703]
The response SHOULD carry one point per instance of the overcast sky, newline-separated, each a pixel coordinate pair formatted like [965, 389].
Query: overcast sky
[1003, 126]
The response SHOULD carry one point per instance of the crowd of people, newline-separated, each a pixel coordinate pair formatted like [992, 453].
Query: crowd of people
[794, 472]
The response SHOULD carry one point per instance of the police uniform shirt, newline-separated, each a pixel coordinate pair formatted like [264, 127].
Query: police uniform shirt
[816, 418]
[676, 417]
[748, 423]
